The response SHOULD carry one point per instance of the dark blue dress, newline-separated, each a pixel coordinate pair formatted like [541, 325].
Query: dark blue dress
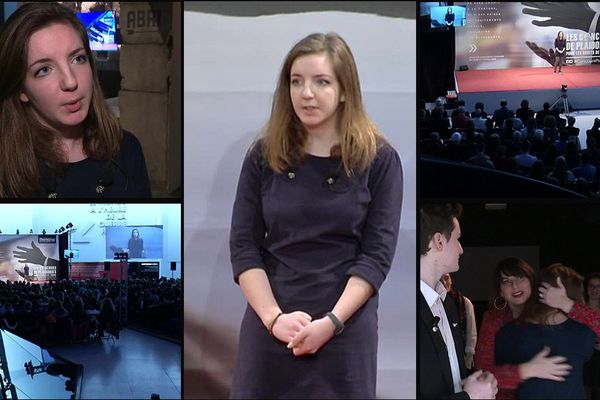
[310, 228]
[516, 344]
[124, 177]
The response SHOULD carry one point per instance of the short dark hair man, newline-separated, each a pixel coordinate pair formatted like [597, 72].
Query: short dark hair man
[441, 352]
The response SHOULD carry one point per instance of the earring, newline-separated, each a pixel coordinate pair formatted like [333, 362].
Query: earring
[496, 305]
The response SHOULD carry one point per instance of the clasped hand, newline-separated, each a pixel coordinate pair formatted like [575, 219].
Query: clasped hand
[301, 333]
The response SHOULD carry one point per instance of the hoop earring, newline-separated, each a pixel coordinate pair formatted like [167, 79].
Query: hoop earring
[496, 305]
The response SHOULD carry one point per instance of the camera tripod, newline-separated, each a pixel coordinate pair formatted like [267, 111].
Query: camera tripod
[565, 102]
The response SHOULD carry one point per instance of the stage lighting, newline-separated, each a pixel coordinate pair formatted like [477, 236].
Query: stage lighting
[69, 225]
[563, 88]
[61, 230]
[17, 231]
[31, 231]
[43, 231]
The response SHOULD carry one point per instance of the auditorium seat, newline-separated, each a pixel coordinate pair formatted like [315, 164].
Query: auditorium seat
[456, 180]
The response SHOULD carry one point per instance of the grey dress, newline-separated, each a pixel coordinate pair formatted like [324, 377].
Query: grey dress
[310, 233]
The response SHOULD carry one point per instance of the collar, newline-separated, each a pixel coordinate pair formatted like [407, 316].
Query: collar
[432, 294]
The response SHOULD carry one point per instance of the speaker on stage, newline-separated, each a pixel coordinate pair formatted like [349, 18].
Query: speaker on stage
[463, 68]
[107, 265]
[173, 266]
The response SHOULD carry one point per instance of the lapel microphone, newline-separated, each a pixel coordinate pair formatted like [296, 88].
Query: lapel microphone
[105, 180]
[436, 320]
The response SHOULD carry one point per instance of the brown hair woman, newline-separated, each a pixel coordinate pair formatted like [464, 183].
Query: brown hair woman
[313, 233]
[58, 137]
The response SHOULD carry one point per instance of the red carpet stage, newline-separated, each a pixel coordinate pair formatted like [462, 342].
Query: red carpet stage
[538, 85]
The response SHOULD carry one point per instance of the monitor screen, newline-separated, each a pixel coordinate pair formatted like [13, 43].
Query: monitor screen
[448, 16]
[102, 30]
[425, 6]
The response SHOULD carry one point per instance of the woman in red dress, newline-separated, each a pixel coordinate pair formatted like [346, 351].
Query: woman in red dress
[514, 280]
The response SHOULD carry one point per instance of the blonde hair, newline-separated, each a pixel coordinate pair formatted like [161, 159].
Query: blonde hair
[284, 135]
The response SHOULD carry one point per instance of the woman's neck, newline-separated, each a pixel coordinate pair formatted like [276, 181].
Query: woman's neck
[516, 310]
[320, 143]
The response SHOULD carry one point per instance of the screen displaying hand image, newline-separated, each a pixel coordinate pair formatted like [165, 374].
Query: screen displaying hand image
[28, 257]
[137, 241]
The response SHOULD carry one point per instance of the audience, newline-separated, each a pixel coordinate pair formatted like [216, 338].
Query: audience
[76, 311]
[531, 149]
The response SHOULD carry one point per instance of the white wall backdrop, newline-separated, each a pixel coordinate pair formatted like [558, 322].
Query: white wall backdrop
[231, 66]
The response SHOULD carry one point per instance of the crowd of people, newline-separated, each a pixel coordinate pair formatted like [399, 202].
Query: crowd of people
[539, 144]
[539, 337]
[75, 311]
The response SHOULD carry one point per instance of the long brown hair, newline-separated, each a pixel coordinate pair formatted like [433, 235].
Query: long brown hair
[537, 312]
[24, 141]
[284, 135]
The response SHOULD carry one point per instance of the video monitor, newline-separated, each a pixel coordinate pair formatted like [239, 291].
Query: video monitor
[138, 241]
[448, 16]
[102, 30]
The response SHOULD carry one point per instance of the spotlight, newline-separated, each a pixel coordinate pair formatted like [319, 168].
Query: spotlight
[43, 231]
[17, 231]
[61, 230]
[69, 225]
[121, 256]
[563, 88]
[56, 231]
[31, 231]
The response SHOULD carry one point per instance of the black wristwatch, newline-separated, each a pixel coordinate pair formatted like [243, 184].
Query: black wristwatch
[339, 326]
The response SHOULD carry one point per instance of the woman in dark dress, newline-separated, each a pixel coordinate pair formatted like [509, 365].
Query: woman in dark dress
[560, 57]
[136, 245]
[313, 233]
[591, 375]
[58, 137]
[542, 327]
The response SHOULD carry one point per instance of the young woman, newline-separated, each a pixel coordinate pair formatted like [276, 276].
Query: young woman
[313, 233]
[514, 280]
[135, 245]
[542, 328]
[560, 57]
[591, 376]
[57, 136]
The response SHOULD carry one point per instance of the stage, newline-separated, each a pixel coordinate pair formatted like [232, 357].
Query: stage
[538, 85]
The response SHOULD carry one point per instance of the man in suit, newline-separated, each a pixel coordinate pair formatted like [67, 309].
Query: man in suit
[441, 348]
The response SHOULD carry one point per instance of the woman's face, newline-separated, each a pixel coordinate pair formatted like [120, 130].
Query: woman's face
[58, 82]
[135, 234]
[516, 290]
[315, 92]
[560, 35]
[593, 289]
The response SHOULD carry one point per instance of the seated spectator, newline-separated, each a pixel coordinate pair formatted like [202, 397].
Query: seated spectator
[586, 170]
[439, 123]
[501, 114]
[459, 120]
[538, 171]
[479, 120]
[480, 158]
[479, 106]
[540, 116]
[524, 113]
[560, 172]
[550, 129]
[594, 131]
[530, 129]
[516, 122]
[525, 160]
[573, 131]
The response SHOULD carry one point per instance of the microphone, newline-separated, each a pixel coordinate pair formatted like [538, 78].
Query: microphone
[106, 179]
[436, 320]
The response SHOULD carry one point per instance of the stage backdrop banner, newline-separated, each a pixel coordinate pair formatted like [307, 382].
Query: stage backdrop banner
[32, 258]
[502, 35]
